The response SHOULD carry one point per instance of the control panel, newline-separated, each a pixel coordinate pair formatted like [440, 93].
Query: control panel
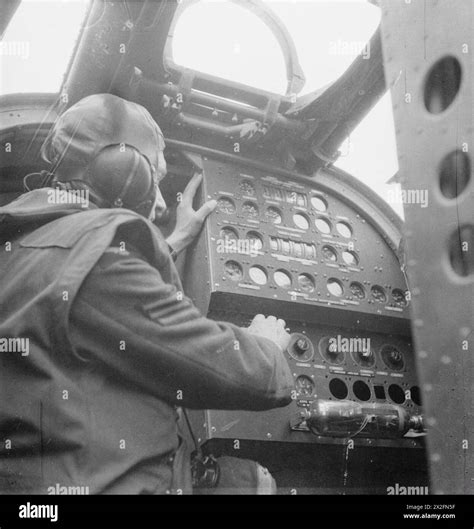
[287, 248]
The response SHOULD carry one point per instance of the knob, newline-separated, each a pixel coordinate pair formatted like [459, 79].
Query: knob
[301, 345]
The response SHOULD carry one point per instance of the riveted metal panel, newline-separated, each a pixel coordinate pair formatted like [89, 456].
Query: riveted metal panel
[428, 49]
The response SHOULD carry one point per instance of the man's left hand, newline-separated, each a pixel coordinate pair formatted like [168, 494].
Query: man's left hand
[188, 221]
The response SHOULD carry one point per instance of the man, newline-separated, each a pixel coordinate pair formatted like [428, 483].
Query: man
[100, 345]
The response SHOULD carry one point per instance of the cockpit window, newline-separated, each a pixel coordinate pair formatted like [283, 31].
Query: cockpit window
[370, 153]
[31, 60]
[221, 38]
[225, 40]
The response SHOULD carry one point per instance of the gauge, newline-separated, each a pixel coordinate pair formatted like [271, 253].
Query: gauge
[357, 290]
[285, 246]
[258, 275]
[304, 386]
[399, 297]
[392, 357]
[233, 270]
[323, 225]
[329, 253]
[350, 258]
[378, 293]
[274, 215]
[228, 234]
[282, 278]
[247, 188]
[301, 221]
[226, 205]
[319, 204]
[310, 251]
[335, 287]
[298, 249]
[250, 209]
[306, 282]
[300, 348]
[344, 229]
[329, 350]
[363, 355]
[256, 241]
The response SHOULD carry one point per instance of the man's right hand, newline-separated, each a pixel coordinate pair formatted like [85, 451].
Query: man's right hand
[272, 328]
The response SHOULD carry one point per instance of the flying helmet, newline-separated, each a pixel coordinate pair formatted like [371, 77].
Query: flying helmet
[111, 145]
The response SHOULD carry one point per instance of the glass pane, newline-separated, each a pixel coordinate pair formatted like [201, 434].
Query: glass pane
[38, 43]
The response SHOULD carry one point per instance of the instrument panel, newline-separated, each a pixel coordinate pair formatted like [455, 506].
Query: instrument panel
[284, 240]
[288, 248]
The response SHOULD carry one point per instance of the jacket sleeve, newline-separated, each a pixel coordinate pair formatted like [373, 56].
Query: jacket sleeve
[136, 326]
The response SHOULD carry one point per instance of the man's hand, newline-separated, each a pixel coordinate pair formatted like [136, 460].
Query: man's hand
[188, 221]
[270, 328]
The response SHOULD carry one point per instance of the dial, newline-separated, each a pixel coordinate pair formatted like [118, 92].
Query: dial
[357, 290]
[304, 386]
[233, 271]
[250, 209]
[301, 348]
[306, 282]
[247, 188]
[274, 215]
[399, 297]
[226, 205]
[329, 253]
[378, 293]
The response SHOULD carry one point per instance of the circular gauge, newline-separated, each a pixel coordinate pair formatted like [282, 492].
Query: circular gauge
[329, 351]
[306, 282]
[319, 203]
[250, 209]
[392, 357]
[304, 386]
[258, 275]
[344, 230]
[335, 287]
[233, 270]
[247, 188]
[329, 253]
[226, 205]
[350, 258]
[300, 348]
[399, 297]
[301, 221]
[378, 293]
[229, 234]
[357, 290]
[323, 225]
[274, 215]
[282, 278]
[256, 241]
[363, 354]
